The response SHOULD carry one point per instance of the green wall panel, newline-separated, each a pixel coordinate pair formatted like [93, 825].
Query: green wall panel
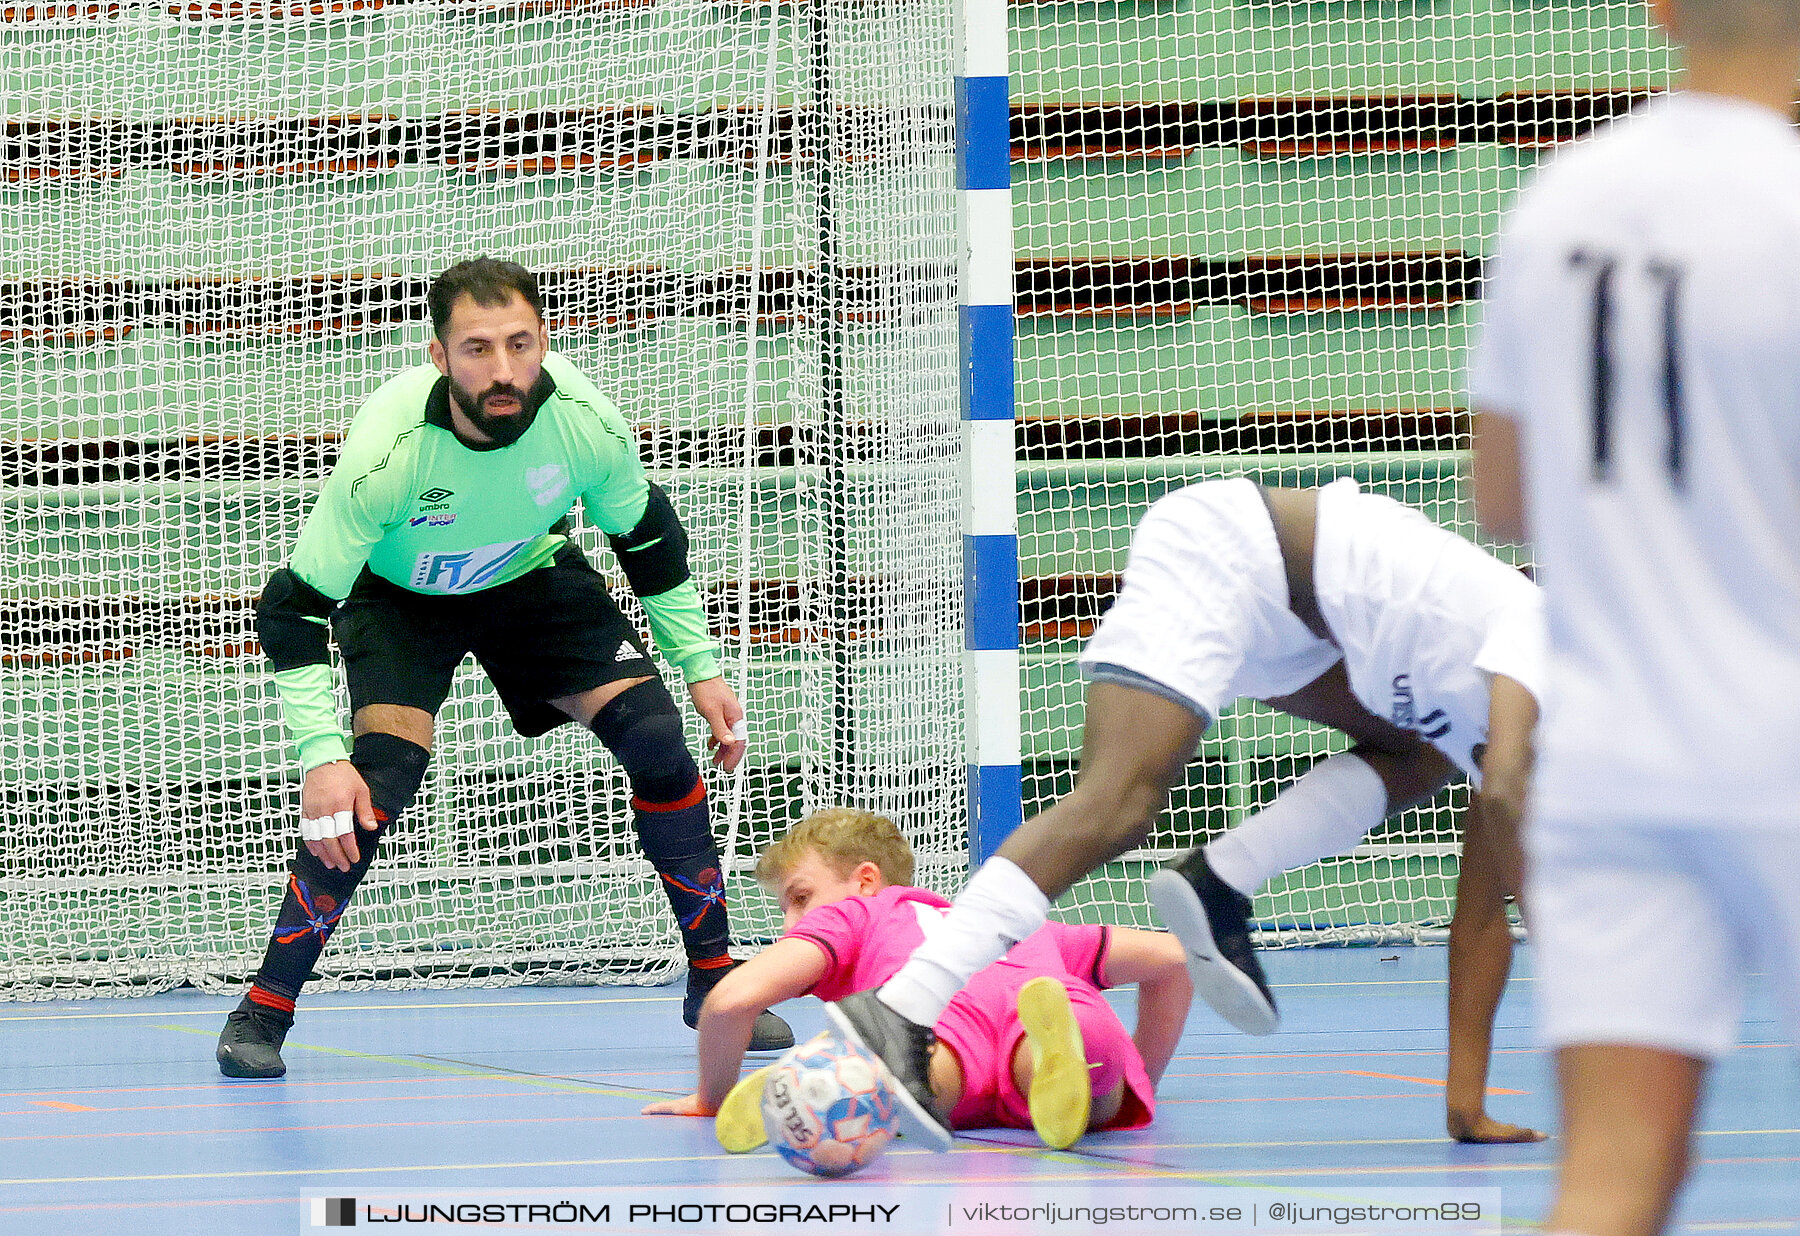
[1223, 361]
[1198, 50]
[1220, 203]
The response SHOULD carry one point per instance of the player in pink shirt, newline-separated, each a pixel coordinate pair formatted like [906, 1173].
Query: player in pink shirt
[1030, 1043]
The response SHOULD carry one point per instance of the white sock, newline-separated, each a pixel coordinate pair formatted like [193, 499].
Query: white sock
[1000, 907]
[1328, 811]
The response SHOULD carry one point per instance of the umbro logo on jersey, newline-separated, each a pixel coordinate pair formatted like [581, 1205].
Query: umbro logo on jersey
[437, 495]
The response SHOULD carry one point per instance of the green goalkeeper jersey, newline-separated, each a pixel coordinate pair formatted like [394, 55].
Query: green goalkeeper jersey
[433, 514]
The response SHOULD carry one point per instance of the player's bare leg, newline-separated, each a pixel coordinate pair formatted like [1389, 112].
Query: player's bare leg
[413, 724]
[1135, 748]
[1481, 950]
[1627, 1116]
[1326, 812]
[1410, 768]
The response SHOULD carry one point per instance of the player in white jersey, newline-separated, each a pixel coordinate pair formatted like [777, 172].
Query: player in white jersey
[1638, 395]
[1332, 605]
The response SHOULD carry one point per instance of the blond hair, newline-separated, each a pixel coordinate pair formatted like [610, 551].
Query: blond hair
[842, 837]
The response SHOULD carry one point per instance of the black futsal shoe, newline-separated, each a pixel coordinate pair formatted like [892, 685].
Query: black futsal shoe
[905, 1048]
[770, 1033]
[250, 1044]
[1212, 920]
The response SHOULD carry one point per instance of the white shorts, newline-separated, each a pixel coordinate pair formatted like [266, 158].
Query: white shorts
[1203, 615]
[1646, 934]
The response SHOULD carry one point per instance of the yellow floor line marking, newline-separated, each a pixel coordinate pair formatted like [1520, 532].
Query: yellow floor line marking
[349, 1008]
[61, 1106]
[1423, 1081]
[394, 1168]
[1384, 1141]
[415, 1062]
[1397, 982]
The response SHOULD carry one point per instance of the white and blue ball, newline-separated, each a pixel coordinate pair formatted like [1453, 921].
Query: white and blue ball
[827, 1107]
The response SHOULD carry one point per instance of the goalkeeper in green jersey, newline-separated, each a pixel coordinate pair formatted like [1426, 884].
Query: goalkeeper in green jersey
[442, 531]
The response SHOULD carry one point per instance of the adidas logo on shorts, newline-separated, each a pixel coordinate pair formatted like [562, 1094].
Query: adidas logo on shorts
[626, 653]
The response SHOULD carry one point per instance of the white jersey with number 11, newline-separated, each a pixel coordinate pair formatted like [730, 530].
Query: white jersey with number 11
[1643, 329]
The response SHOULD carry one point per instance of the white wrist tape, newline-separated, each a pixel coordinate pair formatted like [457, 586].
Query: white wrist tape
[741, 731]
[327, 826]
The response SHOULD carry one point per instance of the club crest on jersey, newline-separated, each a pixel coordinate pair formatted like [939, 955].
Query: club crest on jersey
[1433, 725]
[546, 483]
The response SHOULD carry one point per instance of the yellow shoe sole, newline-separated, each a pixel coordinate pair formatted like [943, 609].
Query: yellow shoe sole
[1061, 1093]
[739, 1125]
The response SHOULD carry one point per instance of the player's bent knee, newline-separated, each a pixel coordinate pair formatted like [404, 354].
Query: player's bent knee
[1409, 778]
[394, 768]
[584, 706]
[401, 720]
[1121, 813]
[642, 728]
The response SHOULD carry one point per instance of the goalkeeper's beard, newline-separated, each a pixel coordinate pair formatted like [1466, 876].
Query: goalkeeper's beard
[500, 430]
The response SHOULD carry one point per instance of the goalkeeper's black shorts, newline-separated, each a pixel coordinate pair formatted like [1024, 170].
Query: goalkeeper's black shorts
[552, 632]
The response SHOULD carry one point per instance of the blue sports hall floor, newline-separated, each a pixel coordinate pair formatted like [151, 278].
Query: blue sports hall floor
[113, 1117]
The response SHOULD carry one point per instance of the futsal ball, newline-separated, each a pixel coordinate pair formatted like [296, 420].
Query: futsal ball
[827, 1107]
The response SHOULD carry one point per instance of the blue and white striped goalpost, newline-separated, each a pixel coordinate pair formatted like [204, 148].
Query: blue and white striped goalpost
[990, 516]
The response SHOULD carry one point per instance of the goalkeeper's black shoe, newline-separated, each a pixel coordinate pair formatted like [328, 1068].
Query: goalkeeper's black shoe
[1212, 920]
[905, 1048]
[250, 1044]
[770, 1033]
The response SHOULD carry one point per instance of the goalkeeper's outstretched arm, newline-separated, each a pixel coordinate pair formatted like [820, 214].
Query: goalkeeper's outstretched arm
[654, 557]
[292, 619]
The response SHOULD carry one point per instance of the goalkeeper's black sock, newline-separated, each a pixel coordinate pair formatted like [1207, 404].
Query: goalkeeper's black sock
[677, 838]
[316, 898]
[668, 800]
[642, 729]
[317, 895]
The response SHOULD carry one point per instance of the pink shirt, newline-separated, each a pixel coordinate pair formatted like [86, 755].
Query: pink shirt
[867, 939]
